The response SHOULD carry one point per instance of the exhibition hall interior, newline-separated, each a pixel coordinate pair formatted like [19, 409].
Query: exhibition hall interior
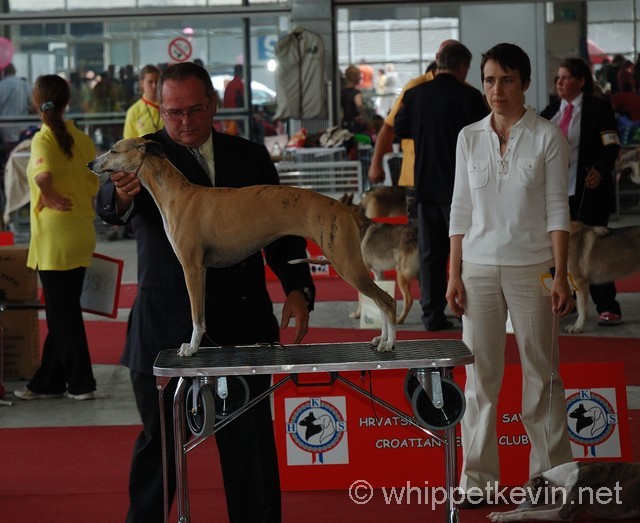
[337, 98]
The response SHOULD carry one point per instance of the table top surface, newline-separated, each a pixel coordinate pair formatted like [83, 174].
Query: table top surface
[317, 357]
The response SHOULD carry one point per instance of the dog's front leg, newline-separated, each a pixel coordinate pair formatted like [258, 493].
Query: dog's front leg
[195, 280]
[582, 302]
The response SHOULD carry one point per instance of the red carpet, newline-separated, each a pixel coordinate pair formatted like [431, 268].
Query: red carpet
[106, 340]
[336, 289]
[79, 474]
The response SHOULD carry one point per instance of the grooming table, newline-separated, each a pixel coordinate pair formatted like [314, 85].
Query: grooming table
[437, 401]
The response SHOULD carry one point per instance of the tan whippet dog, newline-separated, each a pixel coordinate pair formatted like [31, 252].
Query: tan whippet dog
[237, 231]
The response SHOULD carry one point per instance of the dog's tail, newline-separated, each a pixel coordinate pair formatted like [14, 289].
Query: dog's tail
[313, 261]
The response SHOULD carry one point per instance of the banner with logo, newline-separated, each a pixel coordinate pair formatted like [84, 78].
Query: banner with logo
[330, 436]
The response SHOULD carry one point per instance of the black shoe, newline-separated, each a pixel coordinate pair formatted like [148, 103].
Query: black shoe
[439, 325]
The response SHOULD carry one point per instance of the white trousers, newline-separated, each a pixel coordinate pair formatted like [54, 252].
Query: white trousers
[491, 291]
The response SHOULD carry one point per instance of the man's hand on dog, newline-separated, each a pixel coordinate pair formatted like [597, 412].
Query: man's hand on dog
[127, 186]
[295, 307]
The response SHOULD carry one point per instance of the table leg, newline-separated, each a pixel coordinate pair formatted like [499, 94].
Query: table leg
[161, 384]
[451, 466]
[179, 434]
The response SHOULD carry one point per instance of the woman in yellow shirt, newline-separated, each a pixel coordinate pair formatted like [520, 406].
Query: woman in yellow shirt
[62, 242]
[143, 117]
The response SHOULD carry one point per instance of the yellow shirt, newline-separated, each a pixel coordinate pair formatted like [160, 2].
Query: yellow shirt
[408, 152]
[62, 240]
[143, 117]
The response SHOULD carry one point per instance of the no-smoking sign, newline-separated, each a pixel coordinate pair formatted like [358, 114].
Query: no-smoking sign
[180, 49]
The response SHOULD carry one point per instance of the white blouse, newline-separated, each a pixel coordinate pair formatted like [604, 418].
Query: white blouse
[506, 206]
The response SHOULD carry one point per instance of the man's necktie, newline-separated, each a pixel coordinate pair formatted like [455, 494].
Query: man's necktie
[201, 159]
[566, 119]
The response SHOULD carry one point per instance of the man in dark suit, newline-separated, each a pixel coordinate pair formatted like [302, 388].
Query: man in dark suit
[589, 124]
[433, 114]
[238, 308]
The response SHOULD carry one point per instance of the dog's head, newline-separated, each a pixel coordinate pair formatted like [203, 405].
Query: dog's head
[126, 156]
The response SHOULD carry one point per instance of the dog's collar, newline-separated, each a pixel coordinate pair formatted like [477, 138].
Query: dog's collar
[144, 157]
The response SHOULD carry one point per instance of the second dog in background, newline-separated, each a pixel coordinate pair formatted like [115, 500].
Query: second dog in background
[383, 201]
[387, 246]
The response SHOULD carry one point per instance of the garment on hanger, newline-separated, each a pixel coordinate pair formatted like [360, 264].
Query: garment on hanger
[300, 78]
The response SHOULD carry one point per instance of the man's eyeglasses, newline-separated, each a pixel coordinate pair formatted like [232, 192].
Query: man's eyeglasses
[192, 112]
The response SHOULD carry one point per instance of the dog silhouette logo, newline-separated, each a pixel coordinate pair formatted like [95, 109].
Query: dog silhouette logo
[316, 426]
[592, 419]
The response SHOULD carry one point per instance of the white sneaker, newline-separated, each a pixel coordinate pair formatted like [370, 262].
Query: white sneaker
[82, 397]
[25, 394]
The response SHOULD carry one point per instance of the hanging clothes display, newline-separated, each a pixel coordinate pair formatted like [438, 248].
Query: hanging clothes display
[300, 78]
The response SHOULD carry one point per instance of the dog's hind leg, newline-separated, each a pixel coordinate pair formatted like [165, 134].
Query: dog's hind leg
[378, 276]
[342, 249]
[405, 289]
[195, 280]
[356, 314]
[387, 305]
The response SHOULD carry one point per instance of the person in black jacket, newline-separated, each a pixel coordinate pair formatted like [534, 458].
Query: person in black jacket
[592, 134]
[433, 113]
[238, 307]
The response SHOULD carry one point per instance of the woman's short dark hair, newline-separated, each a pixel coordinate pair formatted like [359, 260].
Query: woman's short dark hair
[578, 68]
[508, 56]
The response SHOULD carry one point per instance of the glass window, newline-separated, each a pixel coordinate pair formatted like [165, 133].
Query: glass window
[613, 37]
[102, 58]
[92, 4]
[607, 10]
[17, 6]
[405, 38]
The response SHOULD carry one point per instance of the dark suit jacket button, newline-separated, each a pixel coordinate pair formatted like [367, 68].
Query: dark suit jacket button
[245, 298]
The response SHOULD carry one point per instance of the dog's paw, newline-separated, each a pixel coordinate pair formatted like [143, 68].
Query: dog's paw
[575, 328]
[382, 345]
[354, 315]
[495, 517]
[187, 350]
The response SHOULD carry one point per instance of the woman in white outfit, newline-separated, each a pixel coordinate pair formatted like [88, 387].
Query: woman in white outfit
[509, 226]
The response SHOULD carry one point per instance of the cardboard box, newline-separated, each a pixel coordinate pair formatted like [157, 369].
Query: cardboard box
[20, 343]
[17, 281]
